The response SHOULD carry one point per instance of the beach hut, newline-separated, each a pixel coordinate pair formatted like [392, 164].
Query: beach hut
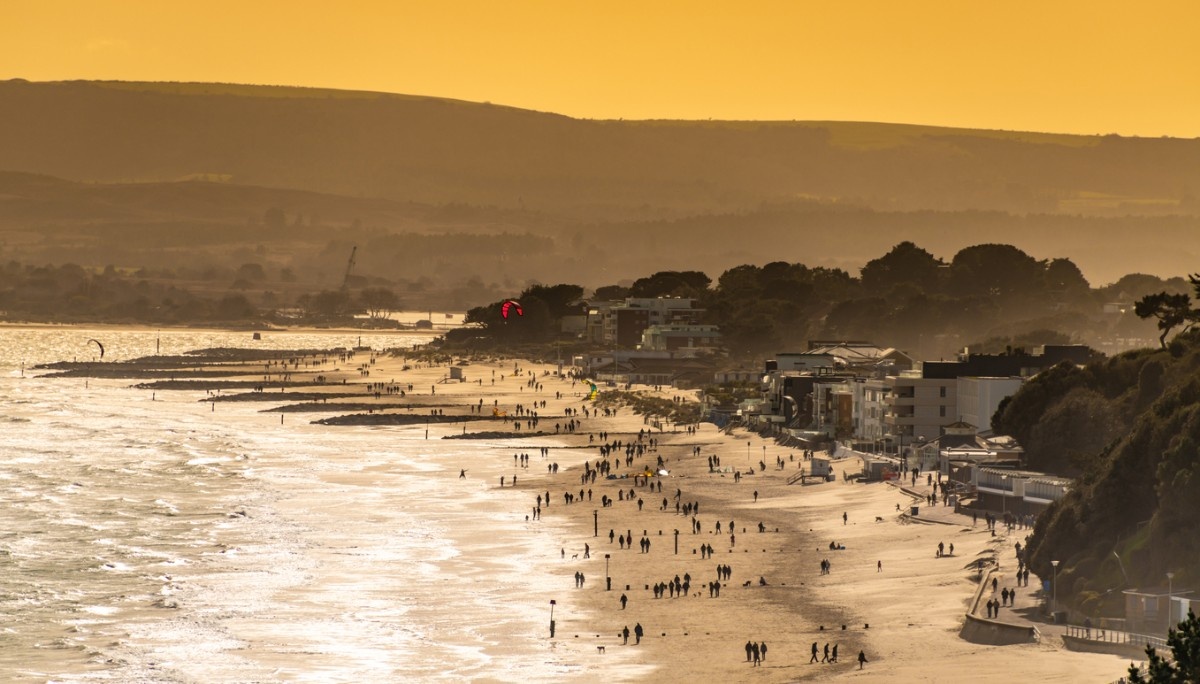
[1149, 611]
[821, 466]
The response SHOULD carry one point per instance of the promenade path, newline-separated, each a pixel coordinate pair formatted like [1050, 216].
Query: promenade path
[1030, 607]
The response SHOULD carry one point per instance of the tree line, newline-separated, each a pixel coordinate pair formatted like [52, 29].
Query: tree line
[986, 296]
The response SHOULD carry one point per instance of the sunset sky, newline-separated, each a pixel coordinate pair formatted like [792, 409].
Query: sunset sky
[1072, 67]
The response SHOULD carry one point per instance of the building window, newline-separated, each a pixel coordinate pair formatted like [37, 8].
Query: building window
[942, 391]
[943, 410]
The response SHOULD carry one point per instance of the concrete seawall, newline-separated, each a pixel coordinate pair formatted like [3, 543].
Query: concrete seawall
[995, 633]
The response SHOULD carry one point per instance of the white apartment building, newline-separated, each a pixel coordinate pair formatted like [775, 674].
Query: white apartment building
[979, 397]
[917, 408]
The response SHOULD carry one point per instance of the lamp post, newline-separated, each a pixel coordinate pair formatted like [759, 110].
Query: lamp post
[607, 579]
[1170, 603]
[596, 522]
[1054, 591]
[1004, 502]
[676, 542]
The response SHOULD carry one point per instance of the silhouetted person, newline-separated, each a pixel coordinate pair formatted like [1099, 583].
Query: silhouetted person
[625, 634]
[638, 632]
[749, 650]
[814, 652]
[862, 658]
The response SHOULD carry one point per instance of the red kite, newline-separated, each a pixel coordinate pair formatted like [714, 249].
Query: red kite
[511, 305]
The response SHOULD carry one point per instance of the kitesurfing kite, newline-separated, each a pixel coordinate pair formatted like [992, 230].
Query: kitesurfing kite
[594, 392]
[511, 305]
[98, 345]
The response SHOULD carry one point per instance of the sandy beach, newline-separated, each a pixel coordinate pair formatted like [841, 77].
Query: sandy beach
[886, 594]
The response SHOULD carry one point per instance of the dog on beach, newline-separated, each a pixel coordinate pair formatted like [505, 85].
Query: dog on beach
[599, 649]
[879, 518]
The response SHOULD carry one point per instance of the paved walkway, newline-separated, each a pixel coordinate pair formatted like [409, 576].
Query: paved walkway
[1026, 610]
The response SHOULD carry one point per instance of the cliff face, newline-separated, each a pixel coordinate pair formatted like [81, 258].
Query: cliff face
[1138, 498]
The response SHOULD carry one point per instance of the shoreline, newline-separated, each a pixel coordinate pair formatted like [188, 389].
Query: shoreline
[899, 603]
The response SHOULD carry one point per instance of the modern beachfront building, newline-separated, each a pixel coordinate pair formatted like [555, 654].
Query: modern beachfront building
[622, 323]
[681, 339]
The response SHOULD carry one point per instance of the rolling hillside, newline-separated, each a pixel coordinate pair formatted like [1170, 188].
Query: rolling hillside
[436, 151]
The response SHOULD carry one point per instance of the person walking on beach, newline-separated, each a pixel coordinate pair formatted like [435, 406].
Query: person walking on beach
[845, 517]
[814, 652]
[862, 658]
[825, 658]
[638, 632]
[462, 473]
[749, 649]
[625, 634]
[833, 659]
[624, 600]
[762, 649]
[879, 566]
[755, 653]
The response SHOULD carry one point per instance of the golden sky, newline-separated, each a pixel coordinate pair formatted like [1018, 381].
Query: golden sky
[1062, 66]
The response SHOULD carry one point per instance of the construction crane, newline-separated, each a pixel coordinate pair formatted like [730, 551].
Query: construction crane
[349, 265]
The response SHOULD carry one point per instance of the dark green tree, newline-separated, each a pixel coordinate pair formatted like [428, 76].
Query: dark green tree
[1066, 281]
[1171, 310]
[671, 283]
[995, 270]
[560, 300]
[378, 301]
[906, 263]
[1184, 665]
[611, 293]
[252, 272]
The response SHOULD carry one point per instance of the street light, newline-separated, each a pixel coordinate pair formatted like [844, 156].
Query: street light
[1170, 591]
[1004, 501]
[1054, 590]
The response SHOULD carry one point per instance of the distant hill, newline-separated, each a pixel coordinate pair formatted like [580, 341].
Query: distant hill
[437, 151]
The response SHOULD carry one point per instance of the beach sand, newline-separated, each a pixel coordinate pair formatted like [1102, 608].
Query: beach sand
[914, 607]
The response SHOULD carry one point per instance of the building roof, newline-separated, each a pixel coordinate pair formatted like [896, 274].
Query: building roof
[1157, 591]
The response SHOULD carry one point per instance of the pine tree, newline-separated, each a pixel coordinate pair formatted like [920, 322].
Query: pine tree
[1184, 664]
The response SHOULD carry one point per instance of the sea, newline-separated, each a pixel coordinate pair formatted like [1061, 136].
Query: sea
[151, 536]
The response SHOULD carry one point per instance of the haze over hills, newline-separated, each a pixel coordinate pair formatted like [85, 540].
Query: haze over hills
[615, 199]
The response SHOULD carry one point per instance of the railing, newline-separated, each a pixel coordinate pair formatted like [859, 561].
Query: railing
[1109, 636]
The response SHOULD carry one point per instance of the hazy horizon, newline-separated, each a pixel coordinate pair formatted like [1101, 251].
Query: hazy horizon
[1068, 67]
